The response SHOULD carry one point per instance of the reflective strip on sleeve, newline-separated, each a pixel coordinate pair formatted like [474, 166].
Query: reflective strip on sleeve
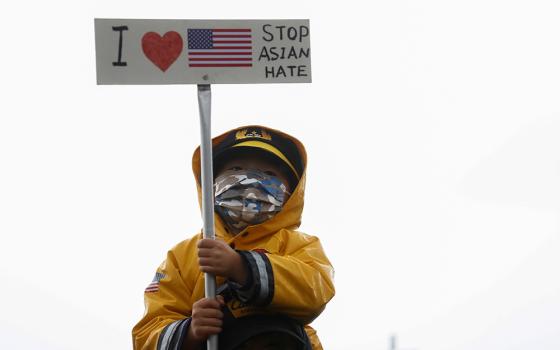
[262, 277]
[261, 290]
[171, 338]
[180, 334]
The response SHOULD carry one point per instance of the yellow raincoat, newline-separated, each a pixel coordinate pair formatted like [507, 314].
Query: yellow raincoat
[294, 276]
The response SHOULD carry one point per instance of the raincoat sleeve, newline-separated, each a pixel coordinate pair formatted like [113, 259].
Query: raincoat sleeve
[297, 283]
[168, 309]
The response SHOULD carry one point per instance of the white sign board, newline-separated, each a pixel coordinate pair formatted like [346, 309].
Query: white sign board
[156, 51]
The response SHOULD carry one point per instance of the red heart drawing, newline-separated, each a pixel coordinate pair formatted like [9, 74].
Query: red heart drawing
[162, 51]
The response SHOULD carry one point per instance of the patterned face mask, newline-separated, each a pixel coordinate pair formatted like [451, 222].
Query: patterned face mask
[248, 197]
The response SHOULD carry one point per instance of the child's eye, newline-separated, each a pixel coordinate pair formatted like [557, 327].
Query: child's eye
[270, 173]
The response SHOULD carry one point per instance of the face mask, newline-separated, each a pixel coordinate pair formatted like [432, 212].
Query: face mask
[248, 197]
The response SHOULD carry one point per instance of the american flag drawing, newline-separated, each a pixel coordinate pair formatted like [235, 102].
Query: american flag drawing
[220, 47]
[154, 286]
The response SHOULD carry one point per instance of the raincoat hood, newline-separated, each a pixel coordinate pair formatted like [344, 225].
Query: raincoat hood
[290, 215]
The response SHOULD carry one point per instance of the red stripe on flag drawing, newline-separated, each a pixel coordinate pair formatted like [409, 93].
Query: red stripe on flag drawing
[220, 65]
[223, 36]
[232, 30]
[232, 42]
[244, 53]
[219, 59]
[233, 47]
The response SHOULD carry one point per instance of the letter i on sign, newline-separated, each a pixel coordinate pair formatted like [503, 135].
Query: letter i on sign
[119, 62]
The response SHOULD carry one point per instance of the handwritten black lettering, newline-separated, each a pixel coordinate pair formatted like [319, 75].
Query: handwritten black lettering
[303, 32]
[269, 71]
[303, 52]
[285, 71]
[281, 31]
[120, 29]
[274, 53]
[292, 33]
[271, 37]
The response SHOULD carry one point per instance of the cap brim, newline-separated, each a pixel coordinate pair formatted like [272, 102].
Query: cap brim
[269, 148]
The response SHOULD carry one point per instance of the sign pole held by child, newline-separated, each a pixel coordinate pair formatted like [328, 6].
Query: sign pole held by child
[204, 106]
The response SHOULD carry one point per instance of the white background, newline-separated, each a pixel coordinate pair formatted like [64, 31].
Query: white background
[433, 136]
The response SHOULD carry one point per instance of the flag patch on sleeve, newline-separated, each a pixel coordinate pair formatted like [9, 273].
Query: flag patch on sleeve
[154, 286]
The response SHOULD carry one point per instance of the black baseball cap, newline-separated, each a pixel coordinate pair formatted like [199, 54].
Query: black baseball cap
[260, 139]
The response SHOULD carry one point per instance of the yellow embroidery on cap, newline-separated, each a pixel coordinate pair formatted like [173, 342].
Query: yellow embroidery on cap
[245, 134]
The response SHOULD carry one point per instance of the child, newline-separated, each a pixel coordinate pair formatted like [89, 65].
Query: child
[272, 280]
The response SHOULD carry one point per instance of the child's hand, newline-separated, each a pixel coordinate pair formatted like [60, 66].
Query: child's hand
[206, 320]
[218, 258]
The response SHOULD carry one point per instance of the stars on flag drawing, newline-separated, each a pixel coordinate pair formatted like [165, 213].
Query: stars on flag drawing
[220, 47]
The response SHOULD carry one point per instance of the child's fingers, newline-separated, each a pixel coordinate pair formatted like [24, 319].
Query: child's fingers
[212, 264]
[210, 314]
[208, 303]
[210, 321]
[205, 261]
[208, 330]
[207, 317]
[204, 243]
[205, 252]
[208, 243]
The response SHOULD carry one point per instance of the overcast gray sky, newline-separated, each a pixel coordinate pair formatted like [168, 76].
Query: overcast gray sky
[432, 129]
